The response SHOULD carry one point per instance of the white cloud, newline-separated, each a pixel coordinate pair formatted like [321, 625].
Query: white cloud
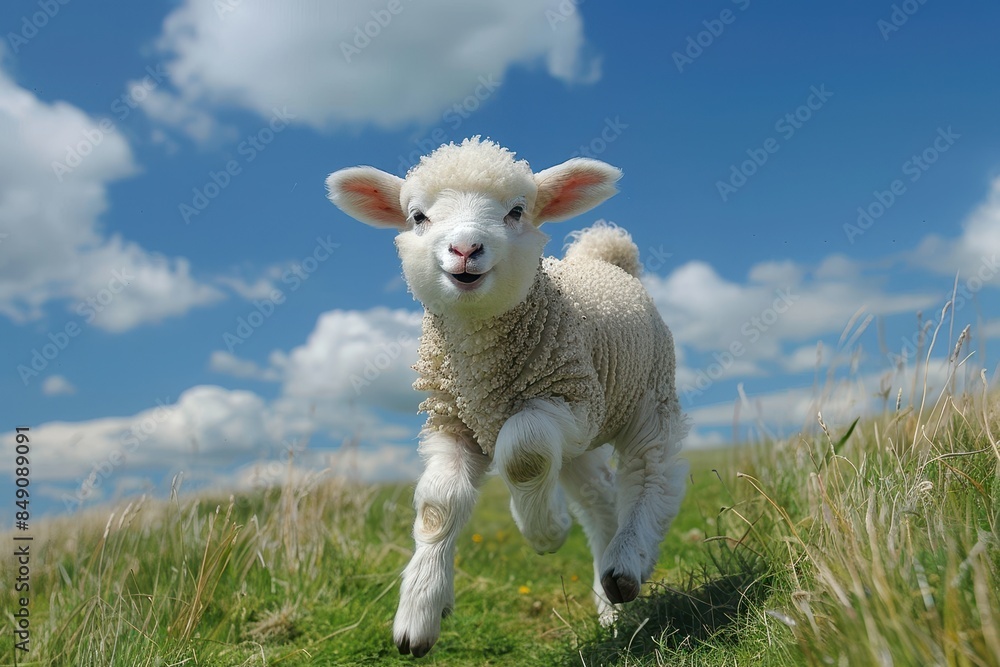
[786, 411]
[352, 365]
[57, 385]
[313, 466]
[150, 287]
[204, 433]
[697, 439]
[206, 423]
[54, 249]
[805, 358]
[262, 287]
[976, 249]
[781, 302]
[225, 362]
[173, 112]
[362, 357]
[316, 59]
[990, 330]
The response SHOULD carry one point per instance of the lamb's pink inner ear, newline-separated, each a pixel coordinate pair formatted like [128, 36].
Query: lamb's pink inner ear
[567, 192]
[369, 195]
[372, 201]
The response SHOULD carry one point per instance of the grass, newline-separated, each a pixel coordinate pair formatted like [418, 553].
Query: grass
[873, 545]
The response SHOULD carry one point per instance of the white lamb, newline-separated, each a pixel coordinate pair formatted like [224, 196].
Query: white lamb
[530, 363]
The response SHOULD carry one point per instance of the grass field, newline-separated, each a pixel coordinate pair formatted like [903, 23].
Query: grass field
[876, 545]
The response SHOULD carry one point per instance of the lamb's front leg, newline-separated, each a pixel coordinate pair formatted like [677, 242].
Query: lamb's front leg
[529, 453]
[444, 499]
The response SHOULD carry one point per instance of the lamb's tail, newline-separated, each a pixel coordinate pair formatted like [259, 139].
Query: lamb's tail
[608, 242]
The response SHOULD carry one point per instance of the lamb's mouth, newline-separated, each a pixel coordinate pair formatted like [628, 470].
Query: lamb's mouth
[466, 280]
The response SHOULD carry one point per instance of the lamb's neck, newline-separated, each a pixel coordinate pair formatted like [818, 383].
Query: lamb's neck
[506, 341]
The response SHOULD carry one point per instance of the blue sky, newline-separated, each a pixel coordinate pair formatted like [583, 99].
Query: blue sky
[177, 294]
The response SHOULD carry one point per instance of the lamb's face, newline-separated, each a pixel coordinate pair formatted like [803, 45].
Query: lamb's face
[468, 218]
[472, 253]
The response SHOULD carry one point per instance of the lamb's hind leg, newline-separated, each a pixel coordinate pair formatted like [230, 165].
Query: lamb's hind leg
[444, 499]
[529, 453]
[590, 486]
[650, 483]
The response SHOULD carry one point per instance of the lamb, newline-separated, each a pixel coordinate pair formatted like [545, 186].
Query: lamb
[531, 365]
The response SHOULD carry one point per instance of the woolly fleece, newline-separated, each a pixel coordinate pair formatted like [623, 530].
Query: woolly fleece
[587, 332]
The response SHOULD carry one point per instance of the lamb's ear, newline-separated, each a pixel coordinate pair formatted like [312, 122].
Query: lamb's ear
[367, 194]
[573, 187]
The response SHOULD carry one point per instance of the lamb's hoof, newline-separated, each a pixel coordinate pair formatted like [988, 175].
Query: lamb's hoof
[552, 537]
[418, 650]
[620, 587]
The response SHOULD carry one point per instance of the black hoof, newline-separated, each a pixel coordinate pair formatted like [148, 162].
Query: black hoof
[619, 587]
[418, 650]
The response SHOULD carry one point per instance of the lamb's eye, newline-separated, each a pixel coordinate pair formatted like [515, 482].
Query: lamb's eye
[516, 213]
[418, 217]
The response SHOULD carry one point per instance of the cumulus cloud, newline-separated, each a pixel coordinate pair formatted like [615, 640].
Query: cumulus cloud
[229, 364]
[261, 287]
[781, 302]
[804, 358]
[217, 436]
[783, 412]
[57, 385]
[353, 366]
[205, 423]
[990, 329]
[975, 251]
[356, 63]
[172, 111]
[359, 356]
[58, 163]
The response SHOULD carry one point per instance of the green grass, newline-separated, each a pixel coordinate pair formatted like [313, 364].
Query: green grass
[869, 547]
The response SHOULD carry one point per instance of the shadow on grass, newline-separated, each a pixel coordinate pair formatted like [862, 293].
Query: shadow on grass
[669, 618]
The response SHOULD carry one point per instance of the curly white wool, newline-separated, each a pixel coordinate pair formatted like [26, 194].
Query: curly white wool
[587, 333]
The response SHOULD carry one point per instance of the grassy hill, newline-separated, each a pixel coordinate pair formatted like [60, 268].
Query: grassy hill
[873, 546]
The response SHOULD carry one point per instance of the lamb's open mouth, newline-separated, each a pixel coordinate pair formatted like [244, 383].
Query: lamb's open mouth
[466, 277]
[466, 280]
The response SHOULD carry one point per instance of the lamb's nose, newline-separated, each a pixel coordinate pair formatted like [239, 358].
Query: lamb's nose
[466, 250]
